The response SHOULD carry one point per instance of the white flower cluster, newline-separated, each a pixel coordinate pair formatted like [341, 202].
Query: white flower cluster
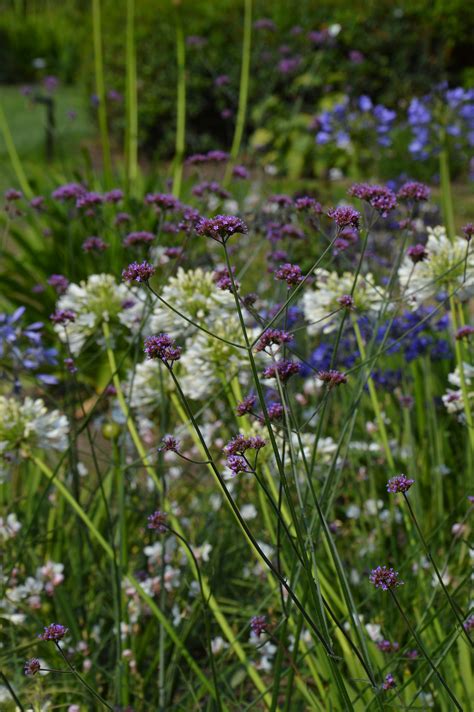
[9, 527]
[453, 398]
[449, 266]
[321, 308]
[194, 294]
[94, 301]
[29, 424]
[29, 593]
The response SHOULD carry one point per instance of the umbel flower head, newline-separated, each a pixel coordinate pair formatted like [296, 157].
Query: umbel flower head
[384, 578]
[322, 305]
[447, 266]
[27, 424]
[221, 227]
[195, 294]
[54, 631]
[94, 301]
[400, 483]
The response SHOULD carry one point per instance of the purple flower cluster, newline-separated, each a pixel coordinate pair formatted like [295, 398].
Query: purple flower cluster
[32, 667]
[291, 274]
[414, 191]
[63, 316]
[387, 647]
[165, 201]
[221, 227]
[346, 301]
[138, 272]
[157, 521]
[344, 216]
[464, 332]
[258, 625]
[169, 444]
[246, 405]
[379, 197]
[141, 237]
[417, 253]
[209, 157]
[210, 188]
[54, 631]
[400, 483]
[283, 370]
[385, 578]
[332, 377]
[59, 282]
[94, 244]
[241, 443]
[273, 336]
[223, 279]
[162, 347]
[389, 682]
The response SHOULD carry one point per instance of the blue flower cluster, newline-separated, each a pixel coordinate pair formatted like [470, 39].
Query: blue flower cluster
[338, 125]
[22, 348]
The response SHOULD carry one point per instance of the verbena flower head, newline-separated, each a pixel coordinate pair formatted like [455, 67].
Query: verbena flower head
[385, 578]
[223, 279]
[59, 282]
[63, 316]
[258, 625]
[379, 197]
[241, 443]
[27, 424]
[165, 201]
[94, 244]
[221, 227]
[69, 191]
[283, 370]
[345, 216]
[469, 624]
[322, 306]
[275, 411]
[449, 267]
[157, 521]
[468, 231]
[413, 191]
[387, 647]
[291, 274]
[162, 347]
[246, 405]
[332, 377]
[417, 253]
[138, 272]
[240, 172]
[272, 337]
[464, 332]
[346, 301]
[141, 237]
[308, 204]
[389, 682]
[54, 631]
[169, 444]
[400, 483]
[32, 666]
[237, 464]
[95, 300]
[195, 294]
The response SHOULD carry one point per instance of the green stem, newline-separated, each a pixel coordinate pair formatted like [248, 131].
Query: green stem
[13, 155]
[131, 125]
[81, 679]
[243, 91]
[446, 193]
[462, 378]
[100, 90]
[180, 106]
[424, 651]
[374, 399]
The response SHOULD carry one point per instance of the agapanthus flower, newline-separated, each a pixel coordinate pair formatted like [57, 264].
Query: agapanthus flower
[138, 272]
[246, 405]
[283, 370]
[195, 294]
[54, 631]
[385, 578]
[399, 483]
[94, 301]
[379, 197]
[449, 266]
[414, 191]
[94, 244]
[162, 347]
[291, 274]
[32, 666]
[272, 337]
[332, 377]
[258, 625]
[141, 237]
[157, 521]
[27, 424]
[389, 682]
[417, 253]
[345, 216]
[221, 227]
[321, 305]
